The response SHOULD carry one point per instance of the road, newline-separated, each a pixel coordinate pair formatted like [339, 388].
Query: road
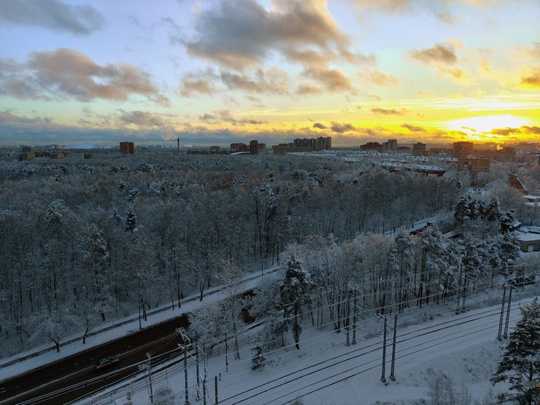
[74, 376]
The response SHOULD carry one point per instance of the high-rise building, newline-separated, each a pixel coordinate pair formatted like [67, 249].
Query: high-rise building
[127, 148]
[419, 149]
[254, 147]
[313, 144]
[473, 165]
[391, 144]
[462, 148]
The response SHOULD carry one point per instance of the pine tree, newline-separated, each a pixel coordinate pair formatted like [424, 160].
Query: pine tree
[520, 365]
[294, 292]
[131, 222]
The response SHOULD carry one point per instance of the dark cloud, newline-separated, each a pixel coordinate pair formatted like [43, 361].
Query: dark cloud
[52, 14]
[66, 73]
[319, 125]
[242, 33]
[7, 117]
[141, 119]
[521, 130]
[413, 128]
[226, 116]
[342, 127]
[191, 86]
[273, 81]
[530, 130]
[440, 53]
[259, 81]
[504, 131]
[386, 111]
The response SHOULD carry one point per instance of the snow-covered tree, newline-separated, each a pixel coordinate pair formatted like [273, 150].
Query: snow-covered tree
[54, 324]
[295, 289]
[257, 359]
[520, 364]
[206, 325]
[265, 305]
[232, 305]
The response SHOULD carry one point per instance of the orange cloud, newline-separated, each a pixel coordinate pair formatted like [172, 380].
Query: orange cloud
[306, 88]
[378, 78]
[413, 128]
[531, 77]
[440, 53]
[385, 111]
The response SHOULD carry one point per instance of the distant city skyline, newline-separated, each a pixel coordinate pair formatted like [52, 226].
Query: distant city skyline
[220, 72]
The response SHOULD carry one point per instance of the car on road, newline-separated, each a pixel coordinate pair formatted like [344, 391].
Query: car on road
[107, 362]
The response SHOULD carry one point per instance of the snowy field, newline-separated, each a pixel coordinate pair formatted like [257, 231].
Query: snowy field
[433, 345]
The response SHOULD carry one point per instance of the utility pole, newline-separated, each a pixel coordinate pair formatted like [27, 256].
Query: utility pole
[187, 341]
[383, 377]
[502, 313]
[216, 390]
[140, 299]
[226, 354]
[186, 376]
[355, 311]
[205, 372]
[458, 295]
[392, 377]
[464, 293]
[508, 313]
[197, 371]
[150, 377]
[348, 319]
[197, 349]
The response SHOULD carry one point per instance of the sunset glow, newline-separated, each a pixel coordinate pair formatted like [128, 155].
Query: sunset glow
[213, 73]
[487, 123]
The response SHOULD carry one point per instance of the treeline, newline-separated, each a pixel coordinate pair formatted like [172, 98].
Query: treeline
[338, 285]
[84, 242]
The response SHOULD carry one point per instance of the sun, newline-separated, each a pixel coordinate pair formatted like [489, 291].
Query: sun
[487, 123]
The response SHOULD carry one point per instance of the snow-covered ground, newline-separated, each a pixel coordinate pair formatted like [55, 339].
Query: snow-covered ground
[433, 345]
[460, 352]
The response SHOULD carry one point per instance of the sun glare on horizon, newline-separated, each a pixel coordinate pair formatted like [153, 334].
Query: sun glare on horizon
[487, 123]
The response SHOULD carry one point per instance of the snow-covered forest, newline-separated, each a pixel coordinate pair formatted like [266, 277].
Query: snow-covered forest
[87, 241]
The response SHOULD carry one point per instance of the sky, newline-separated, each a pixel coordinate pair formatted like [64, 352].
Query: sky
[214, 72]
